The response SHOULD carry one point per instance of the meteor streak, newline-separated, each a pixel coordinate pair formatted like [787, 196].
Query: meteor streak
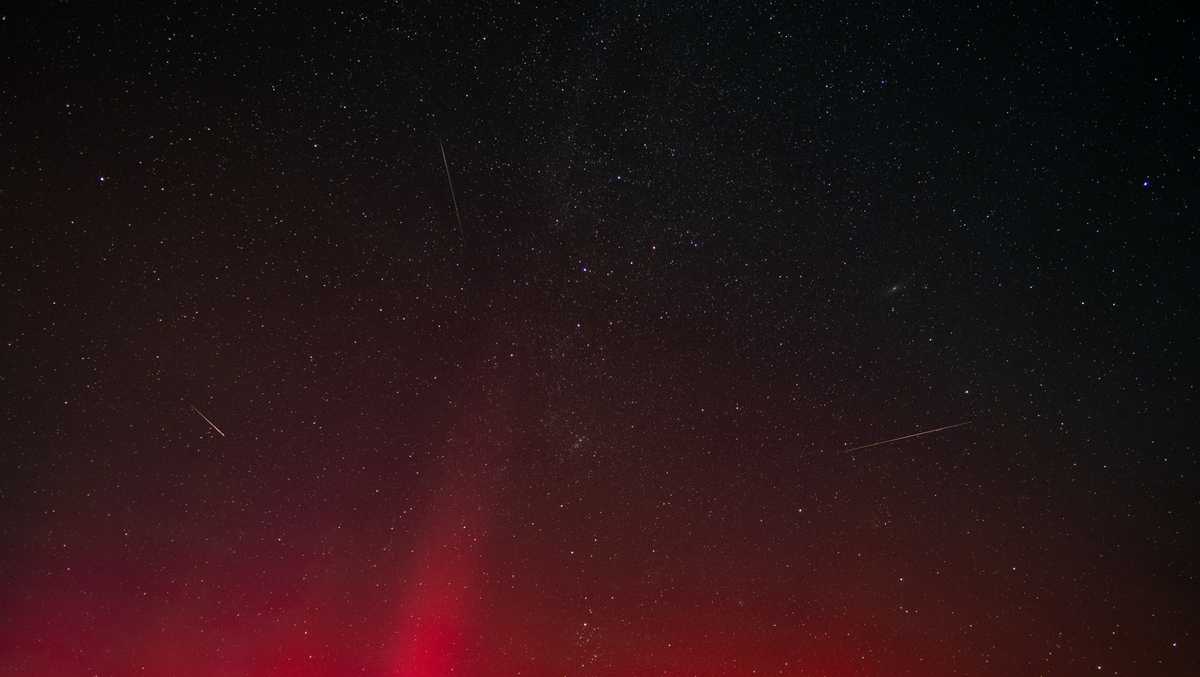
[905, 437]
[208, 421]
[453, 197]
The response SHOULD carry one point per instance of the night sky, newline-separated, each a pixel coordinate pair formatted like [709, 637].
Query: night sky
[276, 402]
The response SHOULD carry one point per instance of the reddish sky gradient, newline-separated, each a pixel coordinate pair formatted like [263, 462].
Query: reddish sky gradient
[606, 424]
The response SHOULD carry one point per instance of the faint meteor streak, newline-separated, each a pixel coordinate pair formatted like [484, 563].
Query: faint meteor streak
[453, 197]
[905, 437]
[208, 421]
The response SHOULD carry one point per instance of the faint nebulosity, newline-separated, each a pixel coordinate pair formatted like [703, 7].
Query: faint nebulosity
[547, 339]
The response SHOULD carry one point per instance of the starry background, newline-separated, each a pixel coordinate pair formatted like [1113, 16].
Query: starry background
[600, 428]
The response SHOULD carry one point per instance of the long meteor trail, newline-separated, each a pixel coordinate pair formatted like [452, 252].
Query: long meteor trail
[208, 421]
[905, 437]
[453, 197]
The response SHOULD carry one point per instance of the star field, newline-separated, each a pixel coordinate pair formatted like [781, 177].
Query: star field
[277, 403]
